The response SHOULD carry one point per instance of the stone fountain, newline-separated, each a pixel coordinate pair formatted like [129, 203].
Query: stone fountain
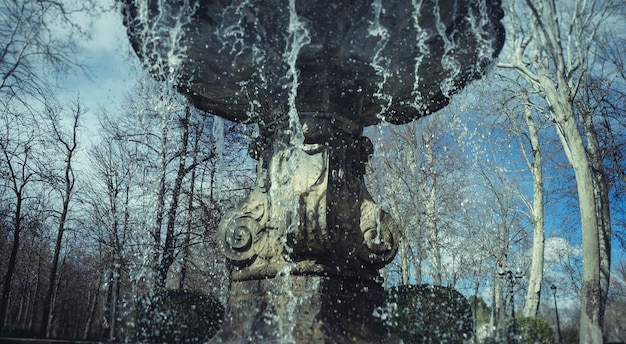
[309, 240]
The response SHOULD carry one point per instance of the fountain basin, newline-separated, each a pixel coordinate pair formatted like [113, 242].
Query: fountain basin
[363, 61]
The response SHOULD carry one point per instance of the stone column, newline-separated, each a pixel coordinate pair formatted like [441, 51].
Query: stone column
[308, 242]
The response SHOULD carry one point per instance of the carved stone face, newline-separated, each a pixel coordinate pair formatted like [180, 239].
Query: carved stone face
[243, 61]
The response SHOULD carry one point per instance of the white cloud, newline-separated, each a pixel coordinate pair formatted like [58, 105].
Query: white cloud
[107, 32]
[558, 249]
[112, 70]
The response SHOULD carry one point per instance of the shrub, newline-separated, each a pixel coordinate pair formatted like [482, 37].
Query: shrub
[429, 314]
[534, 330]
[177, 316]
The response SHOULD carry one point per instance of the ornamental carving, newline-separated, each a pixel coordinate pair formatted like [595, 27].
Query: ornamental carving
[309, 211]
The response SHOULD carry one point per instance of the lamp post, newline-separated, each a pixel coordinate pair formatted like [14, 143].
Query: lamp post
[556, 309]
[511, 279]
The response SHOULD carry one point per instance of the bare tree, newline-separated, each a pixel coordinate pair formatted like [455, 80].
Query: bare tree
[18, 149]
[38, 37]
[38, 43]
[67, 144]
[499, 194]
[425, 166]
[606, 93]
[184, 167]
[525, 129]
[549, 45]
[114, 167]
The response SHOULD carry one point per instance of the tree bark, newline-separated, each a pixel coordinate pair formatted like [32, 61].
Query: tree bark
[160, 210]
[535, 278]
[600, 185]
[405, 266]
[190, 208]
[592, 302]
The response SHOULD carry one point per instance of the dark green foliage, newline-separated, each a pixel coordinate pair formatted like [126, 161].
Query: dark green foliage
[177, 316]
[17, 332]
[534, 330]
[429, 314]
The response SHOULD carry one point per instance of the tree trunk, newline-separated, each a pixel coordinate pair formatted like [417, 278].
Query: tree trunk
[430, 197]
[192, 186]
[160, 213]
[602, 200]
[48, 303]
[167, 258]
[92, 305]
[68, 180]
[108, 308]
[6, 288]
[535, 278]
[592, 303]
[44, 330]
[405, 266]
[552, 52]
[497, 312]
[31, 321]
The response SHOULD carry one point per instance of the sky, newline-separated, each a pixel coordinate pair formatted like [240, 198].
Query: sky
[112, 70]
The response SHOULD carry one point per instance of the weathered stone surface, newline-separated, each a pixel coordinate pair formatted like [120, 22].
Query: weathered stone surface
[310, 209]
[304, 309]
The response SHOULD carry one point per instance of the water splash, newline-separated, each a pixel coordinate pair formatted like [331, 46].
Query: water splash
[217, 131]
[230, 32]
[448, 60]
[298, 37]
[285, 329]
[421, 37]
[235, 41]
[164, 30]
[380, 63]
[479, 24]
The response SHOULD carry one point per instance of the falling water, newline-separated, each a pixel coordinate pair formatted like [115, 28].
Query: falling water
[298, 37]
[162, 25]
[479, 23]
[235, 42]
[421, 36]
[448, 60]
[230, 32]
[285, 330]
[380, 63]
[218, 136]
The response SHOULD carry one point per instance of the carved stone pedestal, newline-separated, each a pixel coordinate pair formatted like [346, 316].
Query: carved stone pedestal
[308, 241]
[304, 309]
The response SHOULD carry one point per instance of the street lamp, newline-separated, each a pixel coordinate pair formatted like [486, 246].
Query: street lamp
[556, 309]
[511, 279]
